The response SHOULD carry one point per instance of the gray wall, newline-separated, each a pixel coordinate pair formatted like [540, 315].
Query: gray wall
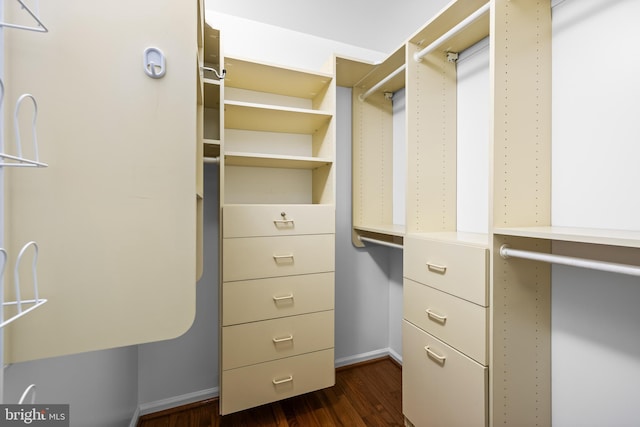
[362, 275]
[189, 364]
[101, 387]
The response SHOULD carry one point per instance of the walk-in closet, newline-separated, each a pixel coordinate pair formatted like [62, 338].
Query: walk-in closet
[228, 212]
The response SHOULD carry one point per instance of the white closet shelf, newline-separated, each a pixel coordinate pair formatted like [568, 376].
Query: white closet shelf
[573, 234]
[458, 237]
[211, 147]
[388, 229]
[452, 15]
[269, 118]
[274, 161]
[383, 70]
[213, 82]
[274, 79]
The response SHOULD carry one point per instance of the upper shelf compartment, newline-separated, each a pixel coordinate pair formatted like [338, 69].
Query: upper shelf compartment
[267, 98]
[261, 77]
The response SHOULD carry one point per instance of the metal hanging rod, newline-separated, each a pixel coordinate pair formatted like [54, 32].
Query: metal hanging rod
[40, 28]
[380, 242]
[632, 270]
[378, 85]
[455, 30]
[211, 160]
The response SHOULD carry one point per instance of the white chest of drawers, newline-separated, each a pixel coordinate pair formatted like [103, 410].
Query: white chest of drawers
[277, 303]
[445, 338]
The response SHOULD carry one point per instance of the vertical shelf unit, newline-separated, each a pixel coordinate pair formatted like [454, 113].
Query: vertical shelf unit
[212, 92]
[209, 114]
[278, 225]
[446, 272]
[372, 150]
[278, 135]
[521, 196]
[472, 306]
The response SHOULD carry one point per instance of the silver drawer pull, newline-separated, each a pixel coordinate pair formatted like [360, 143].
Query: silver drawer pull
[288, 338]
[283, 298]
[283, 380]
[431, 353]
[284, 221]
[283, 257]
[437, 268]
[436, 316]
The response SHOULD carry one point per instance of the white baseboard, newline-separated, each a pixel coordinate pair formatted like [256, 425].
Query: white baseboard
[395, 356]
[197, 396]
[363, 357]
[134, 419]
[172, 402]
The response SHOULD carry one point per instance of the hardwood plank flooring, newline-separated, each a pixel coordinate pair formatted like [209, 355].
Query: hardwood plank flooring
[368, 394]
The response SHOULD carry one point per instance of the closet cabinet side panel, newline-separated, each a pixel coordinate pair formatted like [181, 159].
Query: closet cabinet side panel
[372, 174]
[114, 213]
[521, 196]
[431, 136]
[521, 74]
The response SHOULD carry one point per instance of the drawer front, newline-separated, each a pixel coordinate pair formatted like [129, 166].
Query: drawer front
[277, 220]
[260, 257]
[261, 299]
[459, 323]
[451, 393]
[256, 342]
[457, 269]
[267, 382]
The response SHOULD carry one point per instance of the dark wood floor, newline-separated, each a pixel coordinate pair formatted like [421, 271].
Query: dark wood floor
[367, 394]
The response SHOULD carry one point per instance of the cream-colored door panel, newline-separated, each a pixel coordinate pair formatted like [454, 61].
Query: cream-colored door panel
[255, 342]
[277, 220]
[455, 268]
[260, 299]
[441, 386]
[267, 382]
[258, 257]
[459, 323]
[114, 214]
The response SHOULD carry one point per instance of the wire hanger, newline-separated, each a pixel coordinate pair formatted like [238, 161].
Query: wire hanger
[40, 28]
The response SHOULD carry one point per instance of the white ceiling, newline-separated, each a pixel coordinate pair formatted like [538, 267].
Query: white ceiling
[379, 25]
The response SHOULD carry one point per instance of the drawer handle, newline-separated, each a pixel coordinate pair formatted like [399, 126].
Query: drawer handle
[440, 359]
[436, 316]
[283, 221]
[283, 380]
[288, 338]
[282, 298]
[283, 257]
[437, 268]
